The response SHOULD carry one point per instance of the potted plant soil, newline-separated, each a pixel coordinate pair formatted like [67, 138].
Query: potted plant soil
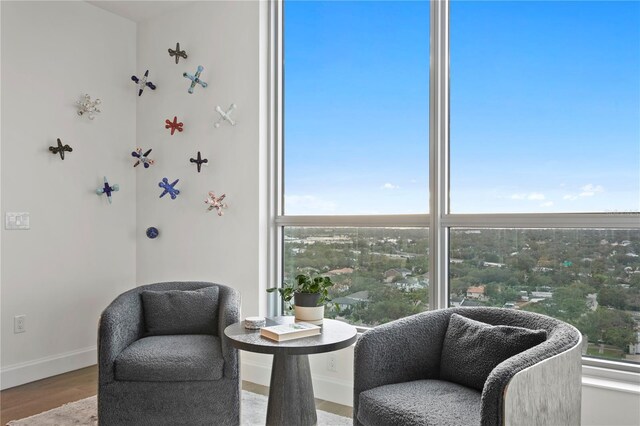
[309, 296]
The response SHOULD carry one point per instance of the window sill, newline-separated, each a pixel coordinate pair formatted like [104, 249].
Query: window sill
[611, 379]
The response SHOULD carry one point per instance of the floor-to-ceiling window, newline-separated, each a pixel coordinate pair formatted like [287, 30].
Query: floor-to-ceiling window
[355, 154]
[465, 153]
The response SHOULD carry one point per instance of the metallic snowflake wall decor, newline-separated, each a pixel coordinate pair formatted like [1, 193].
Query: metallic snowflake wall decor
[86, 106]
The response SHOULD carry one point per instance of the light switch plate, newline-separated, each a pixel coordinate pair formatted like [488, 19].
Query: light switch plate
[16, 220]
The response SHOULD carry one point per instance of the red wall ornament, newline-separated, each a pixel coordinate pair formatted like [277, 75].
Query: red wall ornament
[173, 125]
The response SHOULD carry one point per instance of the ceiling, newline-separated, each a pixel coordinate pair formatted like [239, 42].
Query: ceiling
[138, 11]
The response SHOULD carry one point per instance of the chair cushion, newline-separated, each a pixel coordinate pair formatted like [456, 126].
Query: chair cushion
[472, 349]
[177, 358]
[421, 402]
[181, 311]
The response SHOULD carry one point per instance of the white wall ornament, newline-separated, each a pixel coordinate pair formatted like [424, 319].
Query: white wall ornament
[225, 115]
[88, 107]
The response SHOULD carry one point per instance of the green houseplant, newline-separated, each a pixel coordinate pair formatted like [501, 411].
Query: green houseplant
[309, 296]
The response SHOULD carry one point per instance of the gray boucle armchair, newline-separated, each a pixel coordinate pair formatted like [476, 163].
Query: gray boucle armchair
[189, 377]
[397, 374]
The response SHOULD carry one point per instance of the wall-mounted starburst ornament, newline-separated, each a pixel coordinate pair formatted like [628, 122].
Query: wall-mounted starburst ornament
[142, 157]
[60, 149]
[178, 53]
[142, 82]
[199, 161]
[195, 79]
[88, 107]
[225, 115]
[173, 125]
[215, 203]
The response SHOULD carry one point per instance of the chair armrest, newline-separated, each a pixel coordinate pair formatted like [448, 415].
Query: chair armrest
[399, 351]
[121, 324]
[543, 381]
[547, 393]
[228, 313]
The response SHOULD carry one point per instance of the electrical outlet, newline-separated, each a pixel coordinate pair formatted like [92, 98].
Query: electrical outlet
[331, 363]
[19, 324]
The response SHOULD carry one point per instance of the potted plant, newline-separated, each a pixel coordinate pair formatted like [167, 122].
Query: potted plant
[309, 296]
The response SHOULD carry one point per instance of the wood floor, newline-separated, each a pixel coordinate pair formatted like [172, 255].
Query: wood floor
[36, 397]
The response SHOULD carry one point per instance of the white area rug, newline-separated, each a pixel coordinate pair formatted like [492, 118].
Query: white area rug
[83, 412]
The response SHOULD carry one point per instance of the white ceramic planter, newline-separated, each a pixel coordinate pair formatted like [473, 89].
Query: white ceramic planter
[313, 315]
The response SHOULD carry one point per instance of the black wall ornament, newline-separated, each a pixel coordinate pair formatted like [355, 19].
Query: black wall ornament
[178, 53]
[199, 161]
[60, 149]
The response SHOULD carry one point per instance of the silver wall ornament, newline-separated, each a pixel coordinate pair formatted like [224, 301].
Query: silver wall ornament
[225, 115]
[88, 107]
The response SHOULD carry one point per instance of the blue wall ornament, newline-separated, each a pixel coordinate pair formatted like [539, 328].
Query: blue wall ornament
[195, 79]
[107, 189]
[142, 157]
[152, 232]
[169, 188]
[142, 82]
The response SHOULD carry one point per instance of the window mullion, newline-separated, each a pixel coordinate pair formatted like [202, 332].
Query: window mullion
[275, 143]
[439, 154]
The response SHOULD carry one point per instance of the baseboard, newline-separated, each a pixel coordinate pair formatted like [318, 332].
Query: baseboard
[333, 389]
[324, 387]
[25, 372]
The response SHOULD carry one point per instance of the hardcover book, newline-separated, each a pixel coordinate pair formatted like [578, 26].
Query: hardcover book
[283, 332]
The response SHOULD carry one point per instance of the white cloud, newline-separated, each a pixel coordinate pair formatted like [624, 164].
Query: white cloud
[588, 190]
[389, 186]
[535, 196]
[518, 196]
[547, 204]
[308, 204]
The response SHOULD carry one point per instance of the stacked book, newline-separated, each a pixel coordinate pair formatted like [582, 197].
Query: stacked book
[283, 332]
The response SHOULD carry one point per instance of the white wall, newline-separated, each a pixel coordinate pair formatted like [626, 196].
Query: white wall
[80, 251]
[195, 244]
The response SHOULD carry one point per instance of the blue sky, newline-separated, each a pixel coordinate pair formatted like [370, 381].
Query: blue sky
[545, 107]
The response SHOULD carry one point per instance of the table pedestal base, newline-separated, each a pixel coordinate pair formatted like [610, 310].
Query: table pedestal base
[291, 400]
